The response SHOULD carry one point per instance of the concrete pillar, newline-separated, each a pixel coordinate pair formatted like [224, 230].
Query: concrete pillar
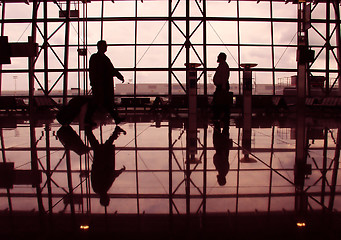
[304, 55]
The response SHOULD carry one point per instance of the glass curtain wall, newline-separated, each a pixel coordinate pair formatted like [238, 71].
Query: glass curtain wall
[150, 41]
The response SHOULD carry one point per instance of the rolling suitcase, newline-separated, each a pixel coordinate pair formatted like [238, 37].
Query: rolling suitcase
[72, 110]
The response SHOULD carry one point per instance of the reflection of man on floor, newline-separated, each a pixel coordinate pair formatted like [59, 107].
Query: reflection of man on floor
[222, 144]
[101, 72]
[103, 172]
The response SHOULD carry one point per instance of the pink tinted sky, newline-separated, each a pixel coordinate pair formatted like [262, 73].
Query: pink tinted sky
[157, 32]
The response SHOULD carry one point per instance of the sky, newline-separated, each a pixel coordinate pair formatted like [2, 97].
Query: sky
[156, 32]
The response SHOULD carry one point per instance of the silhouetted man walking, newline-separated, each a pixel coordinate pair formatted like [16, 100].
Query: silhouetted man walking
[102, 72]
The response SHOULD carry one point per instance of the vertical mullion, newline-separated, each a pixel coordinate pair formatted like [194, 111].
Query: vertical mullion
[102, 15]
[137, 171]
[169, 48]
[45, 45]
[338, 41]
[239, 86]
[31, 59]
[69, 180]
[271, 160]
[324, 167]
[48, 165]
[80, 180]
[238, 172]
[170, 168]
[205, 46]
[327, 43]
[205, 170]
[34, 160]
[2, 34]
[188, 170]
[335, 171]
[238, 35]
[272, 50]
[187, 43]
[135, 48]
[66, 52]
[85, 45]
[78, 56]
[170, 151]
[85, 85]
[88, 184]
[135, 124]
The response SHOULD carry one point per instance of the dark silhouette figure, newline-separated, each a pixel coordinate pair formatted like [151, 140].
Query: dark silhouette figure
[101, 72]
[103, 172]
[222, 144]
[221, 82]
[157, 104]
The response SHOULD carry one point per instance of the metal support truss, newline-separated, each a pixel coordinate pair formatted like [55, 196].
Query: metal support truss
[329, 51]
[47, 77]
[187, 46]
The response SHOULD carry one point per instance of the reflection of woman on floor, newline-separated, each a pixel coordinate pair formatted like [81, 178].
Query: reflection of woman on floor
[221, 143]
[103, 172]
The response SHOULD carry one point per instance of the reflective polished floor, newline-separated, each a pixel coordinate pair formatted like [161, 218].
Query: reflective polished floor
[167, 175]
